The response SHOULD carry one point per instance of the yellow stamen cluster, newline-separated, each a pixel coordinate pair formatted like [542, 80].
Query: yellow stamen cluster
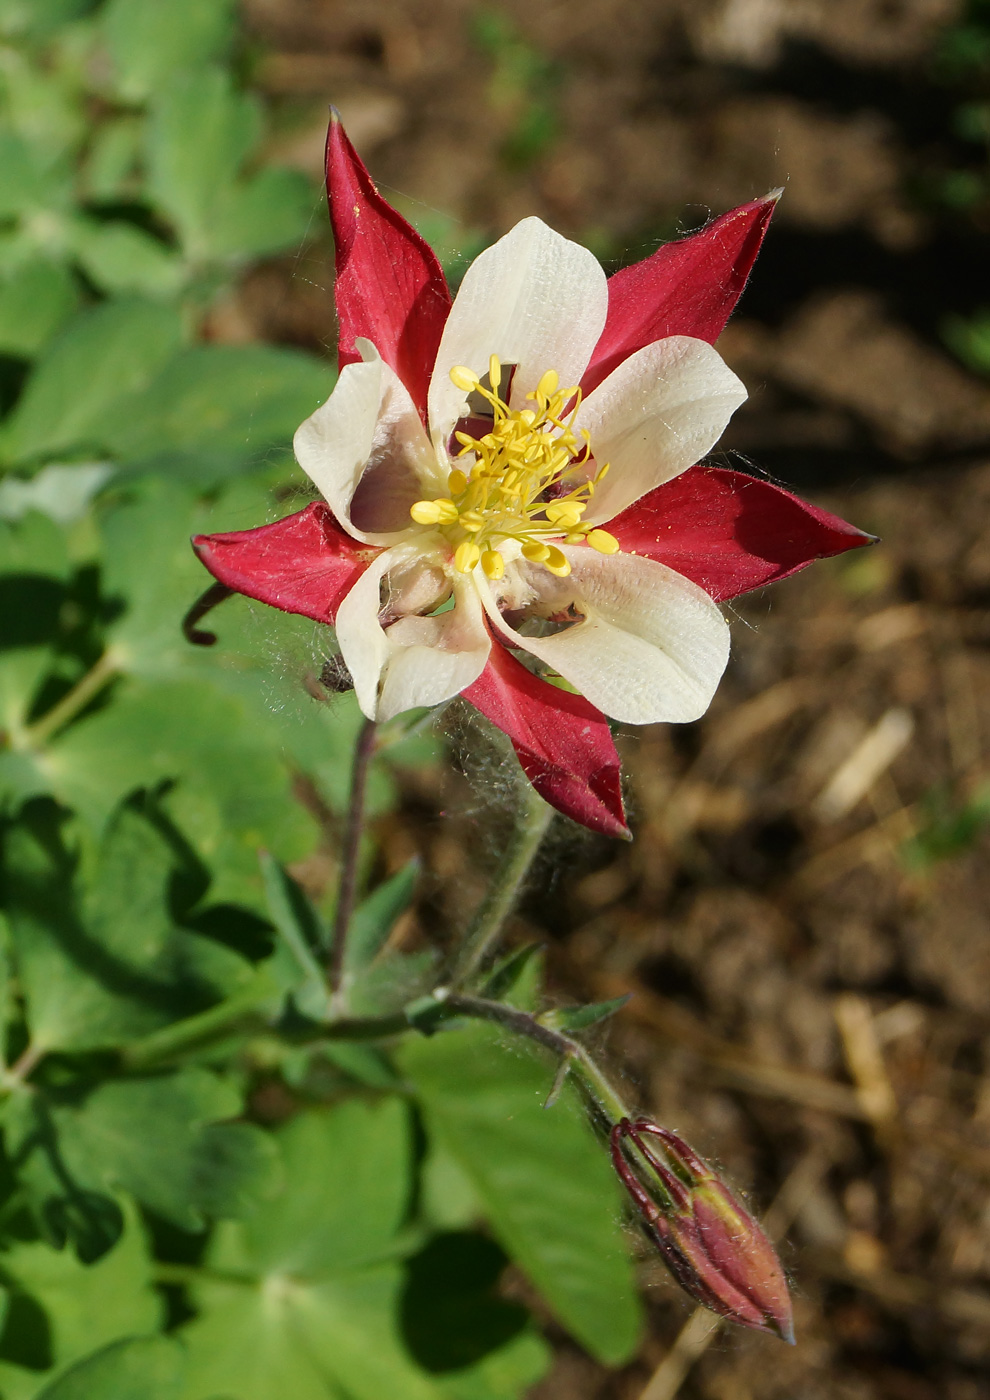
[512, 489]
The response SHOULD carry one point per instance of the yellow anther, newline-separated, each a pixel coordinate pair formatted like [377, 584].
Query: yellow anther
[425, 513]
[463, 378]
[536, 552]
[456, 482]
[603, 542]
[547, 386]
[494, 376]
[466, 555]
[577, 538]
[472, 520]
[447, 512]
[602, 472]
[565, 513]
[493, 564]
[556, 562]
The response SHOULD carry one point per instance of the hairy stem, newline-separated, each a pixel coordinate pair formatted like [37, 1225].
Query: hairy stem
[605, 1101]
[347, 889]
[84, 690]
[505, 888]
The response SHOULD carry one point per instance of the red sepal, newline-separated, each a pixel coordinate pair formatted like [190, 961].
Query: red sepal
[390, 287]
[688, 287]
[564, 744]
[302, 564]
[730, 532]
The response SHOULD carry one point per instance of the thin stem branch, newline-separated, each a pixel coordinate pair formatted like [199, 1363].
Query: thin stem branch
[84, 690]
[347, 889]
[602, 1097]
[505, 889]
[26, 1062]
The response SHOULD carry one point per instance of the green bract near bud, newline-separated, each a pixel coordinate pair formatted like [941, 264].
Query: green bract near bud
[711, 1244]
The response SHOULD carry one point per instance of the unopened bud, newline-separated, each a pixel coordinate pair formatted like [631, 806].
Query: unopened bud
[713, 1247]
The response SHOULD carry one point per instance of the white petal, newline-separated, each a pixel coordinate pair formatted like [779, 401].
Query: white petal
[534, 299]
[652, 645]
[366, 451]
[655, 415]
[417, 660]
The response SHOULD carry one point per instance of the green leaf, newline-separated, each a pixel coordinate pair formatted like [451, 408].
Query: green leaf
[269, 212]
[579, 1018]
[34, 301]
[508, 976]
[141, 1368]
[215, 408]
[102, 355]
[25, 184]
[200, 134]
[544, 1180]
[121, 258]
[320, 1317]
[112, 158]
[311, 1340]
[233, 794]
[148, 43]
[296, 967]
[329, 1217]
[160, 1138]
[117, 967]
[375, 917]
[89, 1305]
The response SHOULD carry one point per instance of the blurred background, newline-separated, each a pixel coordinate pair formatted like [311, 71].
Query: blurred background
[803, 917]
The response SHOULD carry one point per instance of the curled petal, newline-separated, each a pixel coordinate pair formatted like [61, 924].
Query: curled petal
[416, 660]
[688, 287]
[366, 451]
[303, 564]
[563, 743]
[656, 415]
[534, 299]
[730, 532]
[651, 645]
[390, 288]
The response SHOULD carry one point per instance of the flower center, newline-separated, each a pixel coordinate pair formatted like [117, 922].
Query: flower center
[519, 485]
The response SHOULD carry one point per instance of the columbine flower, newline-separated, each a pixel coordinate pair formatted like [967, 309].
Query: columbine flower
[511, 488]
[714, 1248]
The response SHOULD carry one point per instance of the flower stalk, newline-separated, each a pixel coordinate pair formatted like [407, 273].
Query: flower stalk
[364, 751]
[505, 889]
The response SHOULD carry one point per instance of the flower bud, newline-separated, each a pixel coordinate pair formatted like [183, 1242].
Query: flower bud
[714, 1248]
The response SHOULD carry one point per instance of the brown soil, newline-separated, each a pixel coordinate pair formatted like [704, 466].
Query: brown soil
[803, 915]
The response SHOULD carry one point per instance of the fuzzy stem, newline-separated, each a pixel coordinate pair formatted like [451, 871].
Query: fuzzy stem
[505, 889]
[607, 1104]
[347, 889]
[84, 690]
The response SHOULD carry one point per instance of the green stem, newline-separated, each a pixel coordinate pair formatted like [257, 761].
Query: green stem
[84, 690]
[505, 888]
[602, 1097]
[347, 888]
[193, 1031]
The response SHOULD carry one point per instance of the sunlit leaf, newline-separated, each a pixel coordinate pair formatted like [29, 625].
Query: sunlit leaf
[215, 408]
[140, 1368]
[544, 1181]
[34, 301]
[89, 1305]
[148, 43]
[164, 1139]
[101, 356]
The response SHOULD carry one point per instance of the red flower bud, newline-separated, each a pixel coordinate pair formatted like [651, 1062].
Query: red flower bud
[713, 1247]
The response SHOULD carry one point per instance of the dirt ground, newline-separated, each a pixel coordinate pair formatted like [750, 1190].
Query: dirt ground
[803, 916]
